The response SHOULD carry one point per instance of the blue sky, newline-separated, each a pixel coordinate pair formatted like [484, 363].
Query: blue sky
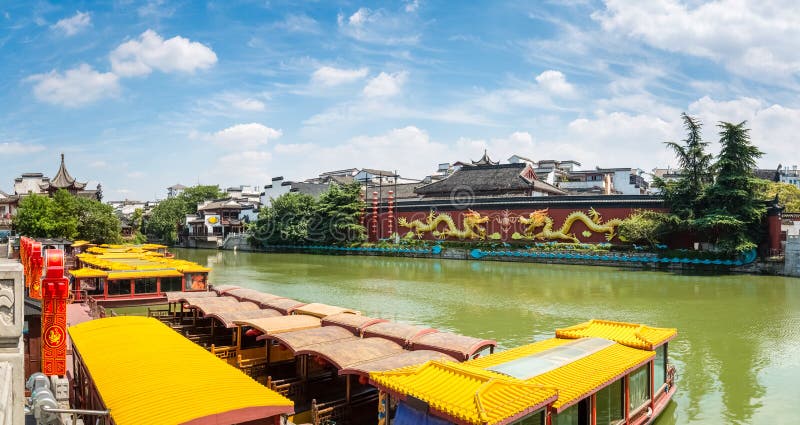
[142, 95]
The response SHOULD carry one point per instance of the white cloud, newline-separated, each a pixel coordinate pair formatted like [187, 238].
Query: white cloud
[330, 76]
[379, 26]
[136, 174]
[98, 164]
[75, 87]
[150, 51]
[248, 165]
[248, 104]
[241, 136]
[386, 85]
[293, 148]
[412, 6]
[379, 151]
[299, 23]
[554, 82]
[17, 148]
[755, 38]
[773, 128]
[74, 24]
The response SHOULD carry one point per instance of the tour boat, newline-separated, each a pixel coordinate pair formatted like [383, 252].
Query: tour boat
[133, 275]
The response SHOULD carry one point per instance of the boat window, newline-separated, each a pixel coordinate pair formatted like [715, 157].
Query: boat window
[171, 284]
[536, 364]
[119, 287]
[577, 414]
[534, 419]
[610, 410]
[145, 285]
[639, 386]
[407, 415]
[195, 281]
[661, 366]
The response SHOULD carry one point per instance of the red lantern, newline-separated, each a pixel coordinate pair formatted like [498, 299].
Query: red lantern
[54, 314]
[363, 380]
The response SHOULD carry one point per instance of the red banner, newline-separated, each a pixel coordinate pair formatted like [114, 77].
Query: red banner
[30, 254]
[54, 314]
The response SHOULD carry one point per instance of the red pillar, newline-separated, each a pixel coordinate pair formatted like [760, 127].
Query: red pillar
[375, 216]
[54, 314]
[774, 228]
[391, 213]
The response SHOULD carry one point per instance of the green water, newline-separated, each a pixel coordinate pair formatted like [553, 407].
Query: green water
[737, 350]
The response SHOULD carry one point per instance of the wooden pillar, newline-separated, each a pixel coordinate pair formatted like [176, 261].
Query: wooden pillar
[375, 215]
[627, 382]
[653, 383]
[133, 287]
[390, 202]
[593, 400]
[105, 288]
[347, 393]
[158, 285]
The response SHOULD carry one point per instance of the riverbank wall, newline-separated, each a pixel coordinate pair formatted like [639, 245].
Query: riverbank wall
[792, 256]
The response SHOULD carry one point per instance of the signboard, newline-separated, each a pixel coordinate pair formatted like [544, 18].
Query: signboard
[212, 221]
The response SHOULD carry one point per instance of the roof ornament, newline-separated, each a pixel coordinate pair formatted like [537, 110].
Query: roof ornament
[485, 160]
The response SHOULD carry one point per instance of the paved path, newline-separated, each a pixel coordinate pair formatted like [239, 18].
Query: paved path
[76, 314]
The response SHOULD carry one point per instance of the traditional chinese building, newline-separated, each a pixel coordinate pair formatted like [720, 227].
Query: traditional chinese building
[37, 183]
[487, 178]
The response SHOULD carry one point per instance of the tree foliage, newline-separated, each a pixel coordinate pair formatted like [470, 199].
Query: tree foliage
[685, 196]
[295, 218]
[788, 194]
[67, 216]
[165, 218]
[648, 227]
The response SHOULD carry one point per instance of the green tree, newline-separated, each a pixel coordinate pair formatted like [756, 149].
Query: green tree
[287, 220]
[788, 194]
[685, 196]
[734, 212]
[339, 210]
[34, 216]
[97, 222]
[648, 227]
[165, 218]
[64, 214]
[197, 194]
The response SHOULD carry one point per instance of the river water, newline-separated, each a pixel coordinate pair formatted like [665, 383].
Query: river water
[737, 350]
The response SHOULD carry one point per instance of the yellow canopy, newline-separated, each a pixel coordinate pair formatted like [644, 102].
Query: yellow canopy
[86, 273]
[146, 373]
[78, 244]
[142, 274]
[467, 394]
[629, 334]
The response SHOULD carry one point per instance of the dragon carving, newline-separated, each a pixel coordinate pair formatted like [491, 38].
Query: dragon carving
[540, 218]
[472, 226]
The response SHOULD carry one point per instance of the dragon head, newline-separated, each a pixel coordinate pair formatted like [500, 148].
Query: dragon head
[474, 217]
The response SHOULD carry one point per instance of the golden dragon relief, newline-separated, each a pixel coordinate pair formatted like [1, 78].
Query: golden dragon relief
[541, 218]
[472, 226]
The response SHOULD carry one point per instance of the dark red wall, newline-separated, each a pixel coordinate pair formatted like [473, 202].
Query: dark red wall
[505, 222]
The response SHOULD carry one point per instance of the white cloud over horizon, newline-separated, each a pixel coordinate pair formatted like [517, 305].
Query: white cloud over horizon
[330, 76]
[386, 85]
[240, 136]
[74, 24]
[150, 51]
[75, 87]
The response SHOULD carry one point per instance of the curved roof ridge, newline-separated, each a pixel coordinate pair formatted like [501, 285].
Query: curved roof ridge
[64, 179]
[632, 335]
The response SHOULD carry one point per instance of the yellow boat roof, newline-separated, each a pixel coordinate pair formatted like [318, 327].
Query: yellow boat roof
[467, 394]
[147, 373]
[577, 363]
[143, 274]
[629, 334]
[86, 273]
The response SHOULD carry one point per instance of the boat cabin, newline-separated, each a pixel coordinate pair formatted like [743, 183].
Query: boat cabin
[113, 359]
[598, 372]
[130, 274]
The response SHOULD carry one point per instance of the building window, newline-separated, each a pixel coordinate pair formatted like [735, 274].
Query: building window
[610, 400]
[171, 284]
[145, 286]
[639, 386]
[534, 419]
[660, 366]
[119, 287]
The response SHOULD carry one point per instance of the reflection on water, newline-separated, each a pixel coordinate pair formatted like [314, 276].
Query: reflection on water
[737, 349]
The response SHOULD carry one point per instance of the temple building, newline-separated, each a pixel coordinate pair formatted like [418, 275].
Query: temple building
[37, 183]
[487, 178]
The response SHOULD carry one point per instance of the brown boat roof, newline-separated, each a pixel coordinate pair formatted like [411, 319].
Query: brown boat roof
[258, 297]
[180, 296]
[274, 325]
[354, 322]
[228, 317]
[322, 310]
[284, 305]
[459, 346]
[301, 339]
[348, 352]
[221, 289]
[400, 333]
[215, 305]
[394, 361]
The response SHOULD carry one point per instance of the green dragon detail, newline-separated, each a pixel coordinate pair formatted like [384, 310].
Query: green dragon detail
[472, 226]
[541, 218]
